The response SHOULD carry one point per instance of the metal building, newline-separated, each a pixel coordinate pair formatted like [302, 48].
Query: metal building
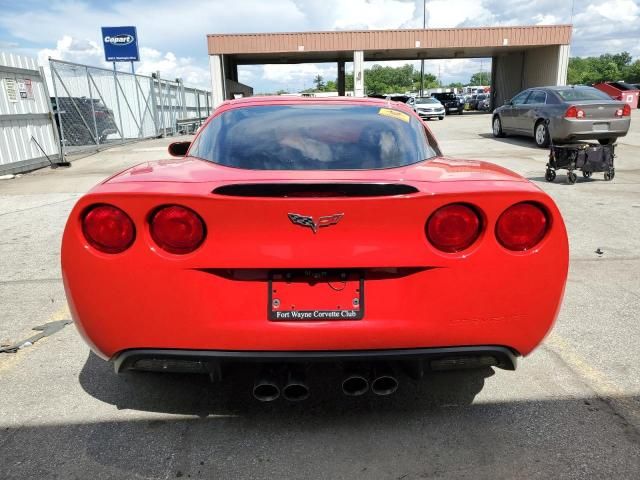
[523, 57]
[27, 134]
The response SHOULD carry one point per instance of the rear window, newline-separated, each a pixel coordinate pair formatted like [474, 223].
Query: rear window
[581, 93]
[313, 137]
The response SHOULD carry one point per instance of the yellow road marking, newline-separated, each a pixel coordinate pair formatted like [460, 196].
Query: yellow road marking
[61, 314]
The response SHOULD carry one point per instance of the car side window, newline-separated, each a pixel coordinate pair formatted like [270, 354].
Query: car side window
[537, 96]
[552, 99]
[520, 98]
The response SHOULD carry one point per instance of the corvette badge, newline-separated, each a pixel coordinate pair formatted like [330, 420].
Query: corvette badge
[306, 221]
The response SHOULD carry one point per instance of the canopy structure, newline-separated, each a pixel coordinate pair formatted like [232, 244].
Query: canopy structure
[523, 56]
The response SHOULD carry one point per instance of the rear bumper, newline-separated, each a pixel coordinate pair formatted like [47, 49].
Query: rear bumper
[567, 129]
[206, 361]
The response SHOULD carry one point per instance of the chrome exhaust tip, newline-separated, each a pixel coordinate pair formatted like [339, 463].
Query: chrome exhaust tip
[265, 387]
[385, 381]
[355, 384]
[296, 388]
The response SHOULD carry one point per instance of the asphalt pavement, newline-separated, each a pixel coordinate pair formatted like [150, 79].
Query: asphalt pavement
[571, 410]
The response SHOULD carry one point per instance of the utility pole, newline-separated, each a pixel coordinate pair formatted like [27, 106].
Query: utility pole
[424, 26]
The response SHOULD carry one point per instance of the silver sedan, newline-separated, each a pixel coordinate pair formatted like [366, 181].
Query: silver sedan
[429, 107]
[563, 114]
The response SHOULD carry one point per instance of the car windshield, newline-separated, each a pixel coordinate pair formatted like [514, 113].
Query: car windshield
[426, 100]
[481, 97]
[313, 137]
[447, 96]
[581, 93]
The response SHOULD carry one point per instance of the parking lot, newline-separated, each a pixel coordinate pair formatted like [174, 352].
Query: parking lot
[571, 409]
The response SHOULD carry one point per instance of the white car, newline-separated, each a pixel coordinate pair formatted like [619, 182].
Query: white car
[428, 107]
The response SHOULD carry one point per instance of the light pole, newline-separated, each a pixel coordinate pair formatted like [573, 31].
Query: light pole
[424, 26]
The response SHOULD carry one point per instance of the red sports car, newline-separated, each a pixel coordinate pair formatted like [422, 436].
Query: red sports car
[297, 231]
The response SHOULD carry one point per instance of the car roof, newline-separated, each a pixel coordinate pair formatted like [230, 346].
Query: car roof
[291, 100]
[279, 99]
[556, 88]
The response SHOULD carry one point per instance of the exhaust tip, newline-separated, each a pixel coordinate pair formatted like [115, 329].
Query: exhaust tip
[355, 385]
[385, 382]
[295, 392]
[266, 392]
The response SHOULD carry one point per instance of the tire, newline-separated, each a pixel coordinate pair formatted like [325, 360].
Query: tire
[461, 110]
[550, 175]
[541, 135]
[586, 174]
[497, 127]
[441, 118]
[608, 176]
[607, 141]
[571, 178]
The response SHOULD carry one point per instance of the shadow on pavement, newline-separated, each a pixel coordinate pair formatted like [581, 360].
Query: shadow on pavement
[193, 394]
[520, 141]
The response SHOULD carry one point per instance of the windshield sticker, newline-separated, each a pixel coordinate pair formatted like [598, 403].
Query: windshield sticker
[387, 112]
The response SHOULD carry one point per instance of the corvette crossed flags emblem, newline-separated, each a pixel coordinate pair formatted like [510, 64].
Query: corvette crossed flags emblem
[306, 221]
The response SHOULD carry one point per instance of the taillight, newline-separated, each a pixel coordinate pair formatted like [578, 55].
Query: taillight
[626, 110]
[619, 112]
[108, 229]
[574, 112]
[522, 226]
[177, 229]
[453, 228]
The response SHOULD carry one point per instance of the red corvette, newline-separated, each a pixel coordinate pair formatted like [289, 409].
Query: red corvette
[297, 231]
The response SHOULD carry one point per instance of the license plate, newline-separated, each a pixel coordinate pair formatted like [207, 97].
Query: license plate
[600, 127]
[453, 108]
[315, 295]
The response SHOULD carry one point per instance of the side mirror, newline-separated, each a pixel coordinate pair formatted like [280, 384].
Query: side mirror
[508, 102]
[179, 149]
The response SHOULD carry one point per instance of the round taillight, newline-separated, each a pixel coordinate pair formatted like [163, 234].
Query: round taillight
[108, 229]
[177, 229]
[522, 226]
[453, 228]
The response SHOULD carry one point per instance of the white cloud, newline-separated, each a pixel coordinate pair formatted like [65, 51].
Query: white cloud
[173, 36]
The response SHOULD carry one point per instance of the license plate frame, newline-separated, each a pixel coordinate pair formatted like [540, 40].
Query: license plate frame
[600, 127]
[338, 286]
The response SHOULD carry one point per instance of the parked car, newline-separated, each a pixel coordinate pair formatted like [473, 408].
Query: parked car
[473, 101]
[573, 113]
[429, 107]
[450, 102]
[200, 263]
[78, 123]
[483, 102]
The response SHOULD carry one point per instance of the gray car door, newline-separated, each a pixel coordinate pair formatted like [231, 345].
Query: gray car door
[511, 110]
[529, 112]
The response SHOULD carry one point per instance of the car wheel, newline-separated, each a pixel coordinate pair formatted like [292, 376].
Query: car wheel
[571, 178]
[441, 118]
[497, 127]
[460, 111]
[607, 141]
[541, 135]
[586, 174]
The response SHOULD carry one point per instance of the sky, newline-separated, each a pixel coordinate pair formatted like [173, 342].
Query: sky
[172, 34]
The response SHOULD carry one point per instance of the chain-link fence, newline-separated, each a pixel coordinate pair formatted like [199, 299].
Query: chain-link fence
[94, 106]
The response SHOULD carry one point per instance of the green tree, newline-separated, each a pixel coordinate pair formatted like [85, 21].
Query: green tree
[381, 79]
[606, 67]
[319, 81]
[480, 78]
[331, 86]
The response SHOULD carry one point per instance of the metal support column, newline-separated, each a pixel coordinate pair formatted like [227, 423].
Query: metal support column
[341, 83]
[358, 73]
